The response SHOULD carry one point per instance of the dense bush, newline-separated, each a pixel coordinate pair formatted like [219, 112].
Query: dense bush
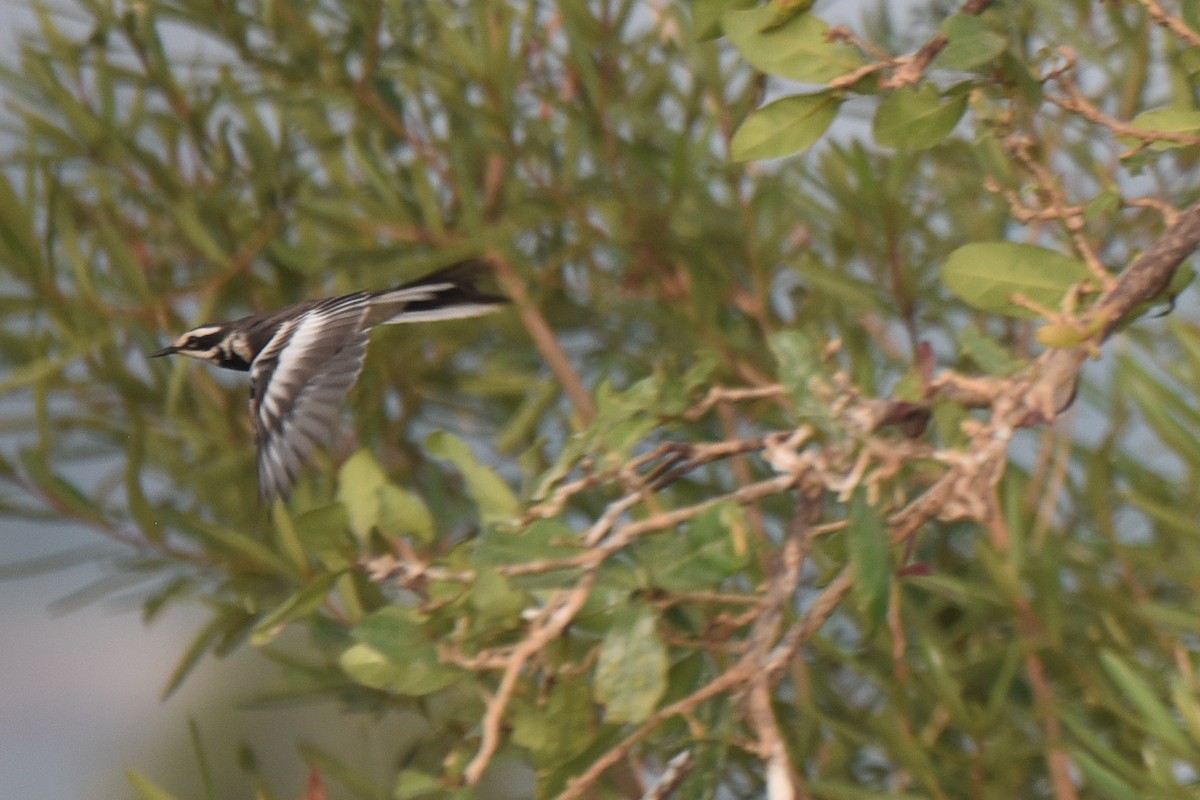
[777, 478]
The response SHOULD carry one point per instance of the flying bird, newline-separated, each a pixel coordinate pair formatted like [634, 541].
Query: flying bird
[304, 359]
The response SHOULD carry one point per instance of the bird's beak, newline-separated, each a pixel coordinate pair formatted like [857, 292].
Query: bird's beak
[166, 351]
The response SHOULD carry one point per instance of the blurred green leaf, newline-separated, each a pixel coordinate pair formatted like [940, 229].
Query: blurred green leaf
[324, 534]
[917, 118]
[706, 551]
[412, 784]
[631, 672]
[797, 360]
[359, 482]
[316, 149]
[870, 558]
[371, 502]
[537, 727]
[298, 606]
[706, 16]
[1154, 715]
[784, 127]
[494, 599]
[1168, 120]
[988, 354]
[1104, 779]
[19, 239]
[325, 763]
[495, 500]
[798, 50]
[145, 788]
[986, 275]
[972, 43]
[394, 655]
[286, 535]
[226, 624]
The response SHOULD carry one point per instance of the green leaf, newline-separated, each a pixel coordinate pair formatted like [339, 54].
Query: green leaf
[202, 762]
[146, 789]
[631, 672]
[706, 16]
[494, 599]
[324, 534]
[797, 359]
[785, 127]
[798, 49]
[412, 784]
[1169, 120]
[1064, 334]
[20, 243]
[64, 493]
[711, 548]
[916, 118]
[287, 541]
[495, 500]
[359, 482]
[341, 770]
[298, 606]
[371, 502]
[539, 727]
[991, 356]
[33, 372]
[870, 558]
[972, 43]
[394, 655]
[543, 540]
[1156, 718]
[1106, 781]
[236, 544]
[402, 513]
[986, 275]
[201, 643]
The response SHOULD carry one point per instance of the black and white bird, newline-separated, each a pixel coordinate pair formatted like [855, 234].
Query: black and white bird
[303, 359]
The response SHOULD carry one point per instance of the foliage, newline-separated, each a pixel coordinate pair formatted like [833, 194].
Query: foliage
[727, 500]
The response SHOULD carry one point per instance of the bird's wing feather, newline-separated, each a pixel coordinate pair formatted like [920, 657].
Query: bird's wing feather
[298, 383]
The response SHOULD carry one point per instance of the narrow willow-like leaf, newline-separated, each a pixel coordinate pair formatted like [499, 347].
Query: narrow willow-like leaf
[870, 557]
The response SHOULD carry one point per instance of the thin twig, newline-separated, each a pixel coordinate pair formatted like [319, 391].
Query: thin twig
[1172, 23]
[1075, 102]
[545, 340]
[558, 614]
[906, 70]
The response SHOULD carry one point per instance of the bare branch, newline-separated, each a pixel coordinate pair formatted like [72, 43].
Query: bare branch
[545, 340]
[1172, 23]
[557, 614]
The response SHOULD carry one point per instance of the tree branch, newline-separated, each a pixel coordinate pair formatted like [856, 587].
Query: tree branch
[543, 337]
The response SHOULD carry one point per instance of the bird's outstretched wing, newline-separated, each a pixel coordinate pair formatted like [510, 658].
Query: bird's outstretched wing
[298, 383]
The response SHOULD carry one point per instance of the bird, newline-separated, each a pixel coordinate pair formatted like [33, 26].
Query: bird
[303, 359]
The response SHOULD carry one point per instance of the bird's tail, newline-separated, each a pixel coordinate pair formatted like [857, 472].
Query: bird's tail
[448, 293]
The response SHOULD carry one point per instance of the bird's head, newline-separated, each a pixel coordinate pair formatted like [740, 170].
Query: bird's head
[204, 343]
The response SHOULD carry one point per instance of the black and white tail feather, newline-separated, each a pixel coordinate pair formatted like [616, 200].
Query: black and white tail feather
[304, 359]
